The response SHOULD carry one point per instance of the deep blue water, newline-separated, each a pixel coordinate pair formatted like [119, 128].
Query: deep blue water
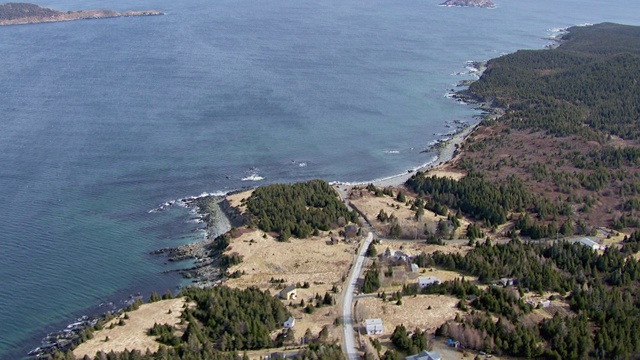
[102, 121]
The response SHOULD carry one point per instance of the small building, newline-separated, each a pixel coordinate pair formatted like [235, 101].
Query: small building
[350, 231]
[545, 303]
[589, 243]
[288, 293]
[425, 355]
[374, 326]
[424, 281]
[291, 321]
[506, 282]
[399, 255]
[415, 267]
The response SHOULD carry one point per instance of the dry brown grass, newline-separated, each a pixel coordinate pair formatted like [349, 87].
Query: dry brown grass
[235, 200]
[446, 170]
[413, 313]
[370, 205]
[298, 260]
[133, 334]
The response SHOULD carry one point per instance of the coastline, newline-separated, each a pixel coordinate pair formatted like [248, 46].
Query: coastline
[446, 153]
[78, 15]
[220, 216]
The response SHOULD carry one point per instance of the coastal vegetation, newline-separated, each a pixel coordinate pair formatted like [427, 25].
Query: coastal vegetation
[300, 209]
[599, 289]
[565, 154]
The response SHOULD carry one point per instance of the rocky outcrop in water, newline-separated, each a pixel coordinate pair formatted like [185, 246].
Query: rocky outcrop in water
[25, 13]
[471, 3]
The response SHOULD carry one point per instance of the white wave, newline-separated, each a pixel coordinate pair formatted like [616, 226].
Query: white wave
[253, 177]
[302, 164]
[183, 201]
[558, 30]
[429, 163]
[392, 151]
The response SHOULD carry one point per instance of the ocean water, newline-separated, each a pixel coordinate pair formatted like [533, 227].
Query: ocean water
[102, 121]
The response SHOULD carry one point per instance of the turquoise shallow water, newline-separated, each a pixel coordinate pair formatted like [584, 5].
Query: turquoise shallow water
[104, 120]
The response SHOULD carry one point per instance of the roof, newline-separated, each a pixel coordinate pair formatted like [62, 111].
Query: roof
[428, 280]
[373, 322]
[588, 242]
[425, 355]
[289, 288]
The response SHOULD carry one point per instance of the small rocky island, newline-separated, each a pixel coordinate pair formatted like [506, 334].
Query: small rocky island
[469, 3]
[25, 13]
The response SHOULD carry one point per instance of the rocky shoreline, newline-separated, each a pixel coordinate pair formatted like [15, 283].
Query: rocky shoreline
[488, 4]
[24, 13]
[220, 217]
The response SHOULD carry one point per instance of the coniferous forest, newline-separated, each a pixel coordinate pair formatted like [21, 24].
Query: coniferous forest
[566, 149]
[602, 291]
[297, 209]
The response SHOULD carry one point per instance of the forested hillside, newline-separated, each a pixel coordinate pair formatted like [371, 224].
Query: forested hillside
[298, 209]
[601, 289]
[569, 138]
[12, 11]
[222, 325]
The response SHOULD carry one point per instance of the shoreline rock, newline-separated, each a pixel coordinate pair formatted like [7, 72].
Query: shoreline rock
[488, 4]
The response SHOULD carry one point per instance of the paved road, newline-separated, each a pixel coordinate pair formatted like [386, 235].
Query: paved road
[348, 343]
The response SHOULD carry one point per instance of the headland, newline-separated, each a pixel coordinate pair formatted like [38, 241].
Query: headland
[25, 13]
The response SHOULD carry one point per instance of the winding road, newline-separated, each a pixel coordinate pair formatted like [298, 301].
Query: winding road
[348, 339]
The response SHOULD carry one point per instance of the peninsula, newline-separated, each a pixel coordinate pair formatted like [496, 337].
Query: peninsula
[25, 13]
[469, 3]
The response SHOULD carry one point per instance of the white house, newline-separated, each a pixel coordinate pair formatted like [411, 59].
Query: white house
[545, 303]
[291, 321]
[374, 326]
[425, 355]
[424, 281]
[415, 267]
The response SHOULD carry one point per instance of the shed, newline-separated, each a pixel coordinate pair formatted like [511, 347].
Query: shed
[506, 282]
[424, 281]
[291, 321]
[415, 267]
[545, 303]
[288, 293]
[374, 326]
[350, 231]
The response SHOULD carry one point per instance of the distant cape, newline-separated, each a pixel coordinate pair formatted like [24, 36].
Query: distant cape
[471, 3]
[25, 13]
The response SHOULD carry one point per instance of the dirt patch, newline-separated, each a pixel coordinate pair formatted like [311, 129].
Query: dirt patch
[446, 170]
[413, 313]
[298, 260]
[236, 200]
[133, 334]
